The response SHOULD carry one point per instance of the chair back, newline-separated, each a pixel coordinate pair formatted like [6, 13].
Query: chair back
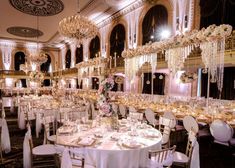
[165, 128]
[49, 126]
[160, 158]
[150, 116]
[27, 148]
[115, 108]
[190, 124]
[221, 131]
[122, 109]
[132, 109]
[136, 116]
[72, 156]
[171, 116]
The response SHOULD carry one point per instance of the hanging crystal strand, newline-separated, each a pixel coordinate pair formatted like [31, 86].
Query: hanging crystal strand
[213, 62]
[220, 72]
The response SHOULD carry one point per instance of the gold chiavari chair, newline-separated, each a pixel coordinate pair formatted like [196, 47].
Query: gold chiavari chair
[161, 158]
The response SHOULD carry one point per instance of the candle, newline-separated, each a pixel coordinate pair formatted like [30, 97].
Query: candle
[115, 59]
[110, 62]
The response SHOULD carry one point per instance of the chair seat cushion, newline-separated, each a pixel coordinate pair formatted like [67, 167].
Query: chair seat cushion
[47, 149]
[51, 138]
[180, 157]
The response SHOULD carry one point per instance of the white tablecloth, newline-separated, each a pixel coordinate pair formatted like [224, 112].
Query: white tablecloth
[107, 153]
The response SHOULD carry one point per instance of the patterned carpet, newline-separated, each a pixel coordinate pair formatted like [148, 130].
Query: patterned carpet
[14, 159]
[211, 155]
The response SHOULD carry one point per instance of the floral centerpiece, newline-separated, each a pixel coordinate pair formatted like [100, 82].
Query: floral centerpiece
[104, 106]
[36, 76]
[58, 93]
[188, 77]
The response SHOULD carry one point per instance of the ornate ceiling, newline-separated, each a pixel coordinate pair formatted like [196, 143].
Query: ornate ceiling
[19, 17]
[38, 7]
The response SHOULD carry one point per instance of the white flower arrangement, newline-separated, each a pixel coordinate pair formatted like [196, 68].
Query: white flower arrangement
[92, 62]
[103, 101]
[211, 33]
[36, 76]
[188, 77]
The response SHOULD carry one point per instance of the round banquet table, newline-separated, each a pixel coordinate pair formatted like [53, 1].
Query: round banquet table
[106, 148]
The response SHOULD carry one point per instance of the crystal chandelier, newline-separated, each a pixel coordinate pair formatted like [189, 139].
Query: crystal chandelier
[25, 67]
[78, 27]
[38, 59]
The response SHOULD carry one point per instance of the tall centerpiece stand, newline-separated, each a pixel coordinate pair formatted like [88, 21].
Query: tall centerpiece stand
[107, 117]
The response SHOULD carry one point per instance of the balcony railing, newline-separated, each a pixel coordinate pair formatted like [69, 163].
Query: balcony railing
[13, 73]
[66, 72]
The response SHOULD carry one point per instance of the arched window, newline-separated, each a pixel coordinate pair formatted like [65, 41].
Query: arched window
[19, 59]
[68, 59]
[79, 54]
[154, 22]
[117, 44]
[217, 12]
[46, 66]
[94, 47]
[158, 83]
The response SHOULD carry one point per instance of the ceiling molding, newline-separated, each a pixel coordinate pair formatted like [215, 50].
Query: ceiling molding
[38, 7]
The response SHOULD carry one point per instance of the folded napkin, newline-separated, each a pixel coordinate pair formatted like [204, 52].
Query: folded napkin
[87, 141]
[151, 134]
[65, 130]
[131, 144]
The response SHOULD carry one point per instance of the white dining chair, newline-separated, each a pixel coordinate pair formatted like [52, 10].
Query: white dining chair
[189, 159]
[132, 109]
[222, 133]
[136, 116]
[49, 126]
[165, 129]
[150, 117]
[170, 116]
[122, 110]
[161, 158]
[115, 108]
[30, 152]
[72, 158]
[190, 124]
[5, 145]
